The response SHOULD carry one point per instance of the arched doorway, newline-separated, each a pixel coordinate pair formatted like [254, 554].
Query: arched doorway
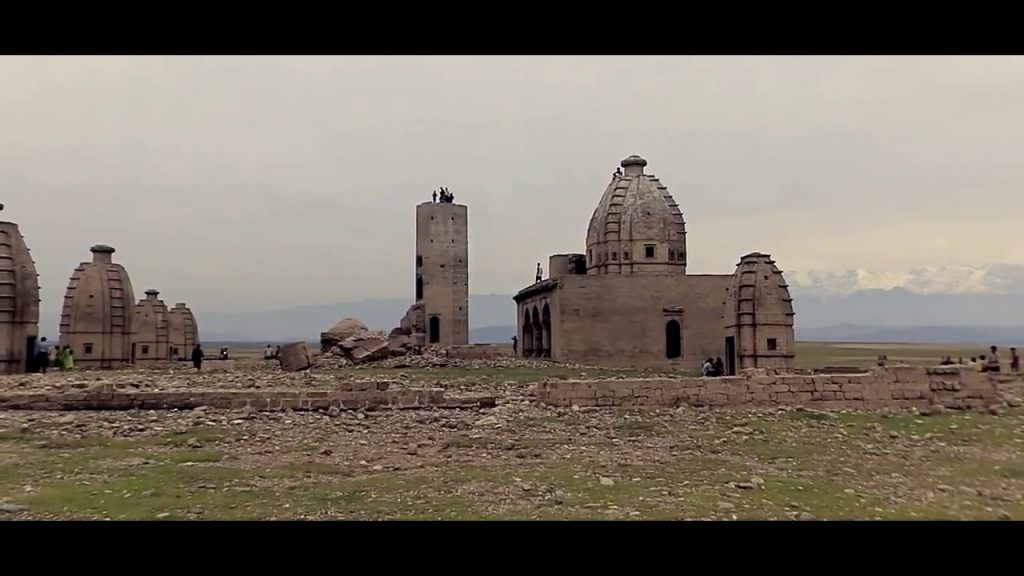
[527, 334]
[419, 287]
[538, 334]
[673, 340]
[434, 329]
[545, 322]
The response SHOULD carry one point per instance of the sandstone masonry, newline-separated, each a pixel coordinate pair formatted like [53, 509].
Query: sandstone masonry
[892, 387]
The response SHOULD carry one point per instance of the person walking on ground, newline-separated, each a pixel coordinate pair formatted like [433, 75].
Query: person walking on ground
[197, 357]
[515, 345]
[69, 358]
[1014, 361]
[993, 360]
[42, 356]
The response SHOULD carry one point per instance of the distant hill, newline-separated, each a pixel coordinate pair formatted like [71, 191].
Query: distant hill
[980, 335]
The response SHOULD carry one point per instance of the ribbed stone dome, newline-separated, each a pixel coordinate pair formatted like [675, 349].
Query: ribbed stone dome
[151, 331]
[98, 311]
[19, 300]
[763, 315]
[637, 227]
[182, 329]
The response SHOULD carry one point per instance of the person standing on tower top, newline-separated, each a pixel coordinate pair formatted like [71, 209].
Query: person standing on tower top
[435, 196]
[540, 273]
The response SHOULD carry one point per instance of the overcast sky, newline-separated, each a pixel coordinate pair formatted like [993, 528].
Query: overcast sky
[246, 183]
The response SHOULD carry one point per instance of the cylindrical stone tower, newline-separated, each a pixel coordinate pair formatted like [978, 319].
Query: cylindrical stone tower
[442, 272]
[152, 339]
[183, 331]
[96, 321]
[19, 301]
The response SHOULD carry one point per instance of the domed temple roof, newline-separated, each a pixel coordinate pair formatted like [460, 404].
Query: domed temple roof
[98, 311]
[19, 299]
[637, 227]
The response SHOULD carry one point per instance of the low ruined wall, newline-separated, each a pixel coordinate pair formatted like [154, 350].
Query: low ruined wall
[480, 351]
[895, 387]
[107, 399]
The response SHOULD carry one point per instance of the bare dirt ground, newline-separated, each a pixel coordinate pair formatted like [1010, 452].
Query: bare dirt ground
[519, 460]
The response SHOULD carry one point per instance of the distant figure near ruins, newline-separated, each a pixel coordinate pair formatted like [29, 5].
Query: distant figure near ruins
[97, 318]
[19, 302]
[629, 301]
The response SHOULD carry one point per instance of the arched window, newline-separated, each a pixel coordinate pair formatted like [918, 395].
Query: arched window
[538, 334]
[419, 287]
[435, 330]
[673, 340]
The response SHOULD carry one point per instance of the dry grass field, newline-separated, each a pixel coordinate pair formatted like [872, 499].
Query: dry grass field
[519, 460]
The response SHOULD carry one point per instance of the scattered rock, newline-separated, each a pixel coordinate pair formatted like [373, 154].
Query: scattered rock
[746, 485]
[412, 449]
[994, 410]
[360, 416]
[12, 508]
[334, 411]
[68, 419]
[944, 488]
[805, 516]
[726, 506]
[1004, 515]
[894, 434]
[488, 421]
[193, 443]
[326, 452]
[757, 481]
[163, 515]
[1012, 401]
[605, 481]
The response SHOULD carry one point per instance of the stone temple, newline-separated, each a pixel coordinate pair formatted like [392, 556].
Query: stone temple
[440, 315]
[96, 320]
[19, 301]
[183, 331]
[151, 332]
[628, 300]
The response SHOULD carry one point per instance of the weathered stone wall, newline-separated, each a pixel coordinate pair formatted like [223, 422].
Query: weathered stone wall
[616, 320]
[365, 395]
[480, 351]
[894, 387]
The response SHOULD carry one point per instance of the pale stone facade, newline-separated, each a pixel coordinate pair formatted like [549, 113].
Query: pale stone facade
[19, 301]
[183, 331]
[440, 316]
[96, 321]
[628, 300]
[151, 331]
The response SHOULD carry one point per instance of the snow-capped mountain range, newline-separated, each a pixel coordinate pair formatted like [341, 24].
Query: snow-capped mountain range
[984, 279]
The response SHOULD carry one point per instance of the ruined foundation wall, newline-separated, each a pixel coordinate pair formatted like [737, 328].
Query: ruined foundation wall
[894, 387]
[480, 351]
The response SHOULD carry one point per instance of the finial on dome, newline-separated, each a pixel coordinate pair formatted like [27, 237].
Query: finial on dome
[102, 253]
[152, 294]
[634, 165]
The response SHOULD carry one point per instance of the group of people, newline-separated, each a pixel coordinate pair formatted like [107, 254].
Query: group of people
[986, 363]
[446, 197]
[270, 353]
[45, 357]
[712, 368]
